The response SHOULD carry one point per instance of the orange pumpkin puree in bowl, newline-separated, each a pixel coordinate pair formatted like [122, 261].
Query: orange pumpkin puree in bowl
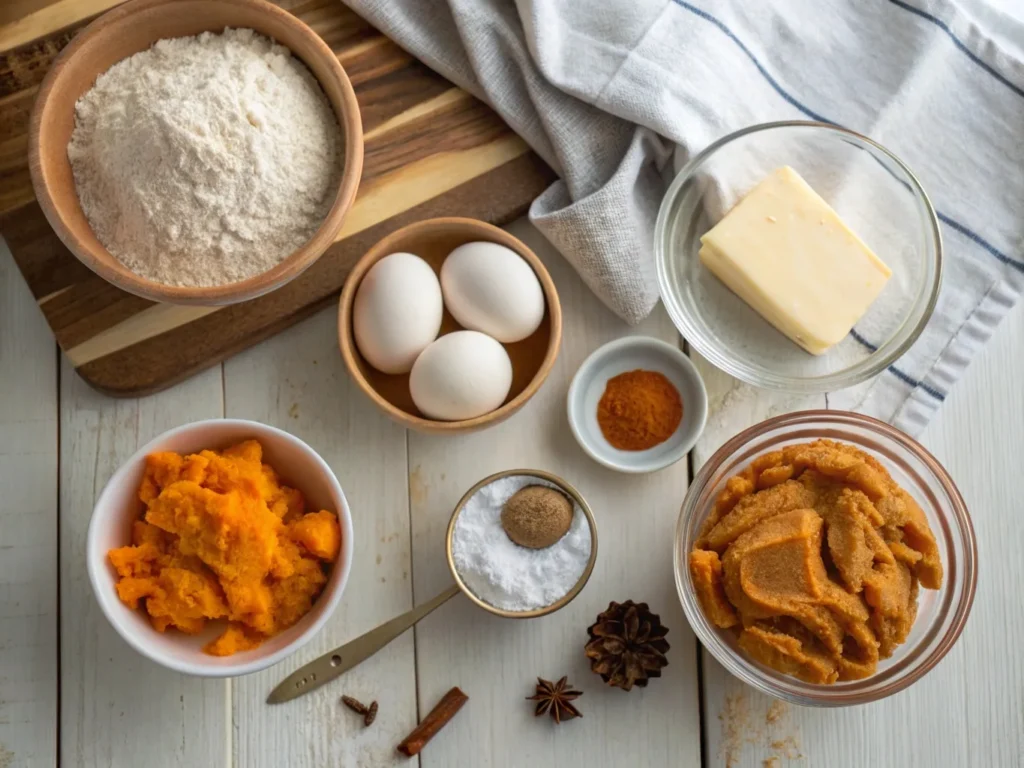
[814, 555]
[222, 538]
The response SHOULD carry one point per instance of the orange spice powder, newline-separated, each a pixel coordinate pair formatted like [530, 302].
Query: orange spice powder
[638, 410]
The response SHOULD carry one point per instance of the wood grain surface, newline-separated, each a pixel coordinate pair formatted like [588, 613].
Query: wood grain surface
[28, 528]
[496, 660]
[116, 709]
[430, 150]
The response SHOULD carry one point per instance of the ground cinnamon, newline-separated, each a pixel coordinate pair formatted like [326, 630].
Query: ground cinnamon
[638, 410]
[436, 720]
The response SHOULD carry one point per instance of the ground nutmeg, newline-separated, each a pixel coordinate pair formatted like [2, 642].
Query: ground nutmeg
[638, 410]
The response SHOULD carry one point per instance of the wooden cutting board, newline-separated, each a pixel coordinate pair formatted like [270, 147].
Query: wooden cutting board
[430, 150]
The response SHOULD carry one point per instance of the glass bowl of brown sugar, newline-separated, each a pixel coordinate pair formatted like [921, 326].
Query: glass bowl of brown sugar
[938, 615]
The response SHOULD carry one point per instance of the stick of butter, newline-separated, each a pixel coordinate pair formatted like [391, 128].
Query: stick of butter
[784, 251]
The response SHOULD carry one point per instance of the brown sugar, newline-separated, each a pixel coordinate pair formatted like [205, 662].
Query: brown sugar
[222, 538]
[814, 556]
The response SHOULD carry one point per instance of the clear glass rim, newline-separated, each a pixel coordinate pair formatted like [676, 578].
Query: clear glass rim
[880, 359]
[826, 696]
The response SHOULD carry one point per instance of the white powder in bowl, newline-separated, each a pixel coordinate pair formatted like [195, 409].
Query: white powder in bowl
[205, 160]
[504, 574]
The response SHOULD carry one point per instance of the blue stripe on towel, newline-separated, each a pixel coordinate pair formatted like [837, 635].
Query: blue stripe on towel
[764, 72]
[980, 241]
[973, 236]
[864, 342]
[940, 396]
[958, 43]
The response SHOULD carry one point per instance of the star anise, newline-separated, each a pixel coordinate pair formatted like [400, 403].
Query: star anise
[556, 698]
[627, 645]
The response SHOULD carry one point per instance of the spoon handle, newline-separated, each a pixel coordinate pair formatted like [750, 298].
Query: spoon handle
[340, 660]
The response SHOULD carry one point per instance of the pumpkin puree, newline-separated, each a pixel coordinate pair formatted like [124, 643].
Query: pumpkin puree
[222, 538]
[813, 555]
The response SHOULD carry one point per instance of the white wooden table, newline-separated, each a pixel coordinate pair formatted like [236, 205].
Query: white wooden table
[71, 690]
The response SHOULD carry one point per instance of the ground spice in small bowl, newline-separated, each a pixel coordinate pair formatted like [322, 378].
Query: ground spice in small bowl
[639, 410]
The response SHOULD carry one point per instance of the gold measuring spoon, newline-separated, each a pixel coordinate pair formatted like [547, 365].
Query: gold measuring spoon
[335, 663]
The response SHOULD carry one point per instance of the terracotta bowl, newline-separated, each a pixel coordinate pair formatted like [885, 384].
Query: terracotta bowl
[432, 240]
[134, 27]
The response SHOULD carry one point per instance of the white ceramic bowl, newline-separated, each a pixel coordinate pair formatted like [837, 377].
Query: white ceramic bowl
[629, 354]
[298, 465]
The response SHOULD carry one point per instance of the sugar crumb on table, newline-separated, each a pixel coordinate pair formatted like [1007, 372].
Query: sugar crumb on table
[777, 711]
[741, 727]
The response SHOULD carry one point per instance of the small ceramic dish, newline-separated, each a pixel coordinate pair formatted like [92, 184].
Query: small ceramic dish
[941, 613]
[629, 354]
[134, 27]
[118, 507]
[569, 596]
[432, 240]
[873, 191]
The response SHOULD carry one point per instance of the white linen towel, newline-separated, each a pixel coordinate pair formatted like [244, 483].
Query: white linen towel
[595, 86]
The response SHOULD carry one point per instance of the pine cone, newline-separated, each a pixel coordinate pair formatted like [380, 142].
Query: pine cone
[627, 645]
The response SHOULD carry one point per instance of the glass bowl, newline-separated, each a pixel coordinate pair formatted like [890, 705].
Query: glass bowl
[941, 613]
[874, 193]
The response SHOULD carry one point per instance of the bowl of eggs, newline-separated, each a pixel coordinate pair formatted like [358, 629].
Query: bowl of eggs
[449, 325]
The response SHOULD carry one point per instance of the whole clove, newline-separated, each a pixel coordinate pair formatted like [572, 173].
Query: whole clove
[356, 705]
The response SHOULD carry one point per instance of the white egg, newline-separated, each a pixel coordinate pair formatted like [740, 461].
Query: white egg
[397, 312]
[461, 375]
[490, 288]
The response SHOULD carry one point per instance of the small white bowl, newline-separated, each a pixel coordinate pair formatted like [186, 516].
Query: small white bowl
[118, 506]
[629, 354]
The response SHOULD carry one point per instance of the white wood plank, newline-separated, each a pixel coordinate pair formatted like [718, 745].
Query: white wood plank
[496, 661]
[118, 708]
[979, 437]
[297, 382]
[28, 526]
[733, 406]
[735, 718]
[970, 709]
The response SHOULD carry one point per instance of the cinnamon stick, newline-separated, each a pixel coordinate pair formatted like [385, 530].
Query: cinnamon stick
[436, 720]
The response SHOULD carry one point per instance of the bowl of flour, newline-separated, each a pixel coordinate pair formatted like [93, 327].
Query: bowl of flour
[196, 151]
[511, 580]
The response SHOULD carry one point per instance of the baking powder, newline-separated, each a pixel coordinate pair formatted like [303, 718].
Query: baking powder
[504, 574]
[205, 160]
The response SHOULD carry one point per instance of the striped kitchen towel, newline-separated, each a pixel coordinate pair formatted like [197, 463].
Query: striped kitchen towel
[597, 87]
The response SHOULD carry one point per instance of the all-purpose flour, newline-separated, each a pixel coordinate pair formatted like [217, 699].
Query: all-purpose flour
[505, 574]
[205, 160]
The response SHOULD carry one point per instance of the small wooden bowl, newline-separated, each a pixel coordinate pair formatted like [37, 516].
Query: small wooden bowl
[432, 240]
[134, 27]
